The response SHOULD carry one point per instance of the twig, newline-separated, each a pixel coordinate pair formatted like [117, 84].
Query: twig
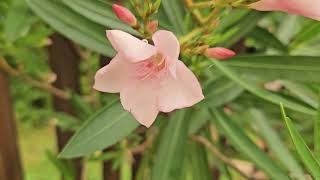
[218, 154]
[6, 68]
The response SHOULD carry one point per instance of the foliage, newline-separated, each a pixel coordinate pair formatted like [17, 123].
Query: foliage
[240, 117]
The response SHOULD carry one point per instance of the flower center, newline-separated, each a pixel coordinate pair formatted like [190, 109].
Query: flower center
[153, 67]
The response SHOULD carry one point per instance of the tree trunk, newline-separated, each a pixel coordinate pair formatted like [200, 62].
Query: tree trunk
[10, 165]
[64, 61]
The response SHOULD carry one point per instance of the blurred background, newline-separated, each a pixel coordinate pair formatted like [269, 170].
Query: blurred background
[51, 49]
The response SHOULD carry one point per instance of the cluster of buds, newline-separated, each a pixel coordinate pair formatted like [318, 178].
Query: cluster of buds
[126, 16]
[150, 26]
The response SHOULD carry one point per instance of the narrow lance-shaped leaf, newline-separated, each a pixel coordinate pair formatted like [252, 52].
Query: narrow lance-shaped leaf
[17, 21]
[72, 25]
[308, 159]
[275, 144]
[307, 33]
[111, 124]
[274, 98]
[317, 131]
[296, 68]
[267, 39]
[170, 153]
[174, 11]
[244, 26]
[99, 12]
[241, 141]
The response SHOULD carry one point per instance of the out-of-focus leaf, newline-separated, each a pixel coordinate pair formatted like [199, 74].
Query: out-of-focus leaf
[72, 25]
[275, 144]
[307, 33]
[126, 166]
[241, 141]
[199, 117]
[65, 121]
[221, 91]
[171, 149]
[64, 167]
[317, 132]
[84, 110]
[274, 98]
[175, 13]
[111, 124]
[303, 92]
[243, 27]
[217, 93]
[266, 38]
[99, 12]
[198, 162]
[309, 160]
[17, 21]
[296, 68]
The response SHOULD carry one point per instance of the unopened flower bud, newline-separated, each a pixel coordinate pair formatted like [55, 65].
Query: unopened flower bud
[219, 53]
[152, 26]
[124, 15]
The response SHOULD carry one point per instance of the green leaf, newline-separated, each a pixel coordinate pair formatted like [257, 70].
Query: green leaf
[308, 159]
[307, 33]
[84, 109]
[198, 161]
[221, 91]
[111, 124]
[317, 132]
[175, 13]
[303, 92]
[275, 144]
[72, 25]
[64, 167]
[218, 92]
[244, 26]
[99, 12]
[170, 153]
[267, 39]
[296, 68]
[17, 21]
[274, 98]
[241, 141]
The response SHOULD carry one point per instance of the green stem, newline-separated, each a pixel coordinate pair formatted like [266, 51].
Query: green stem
[190, 35]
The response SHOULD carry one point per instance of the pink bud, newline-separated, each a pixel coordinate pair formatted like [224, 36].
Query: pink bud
[219, 53]
[124, 15]
[152, 26]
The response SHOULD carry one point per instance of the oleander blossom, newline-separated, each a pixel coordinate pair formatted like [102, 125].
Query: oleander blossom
[308, 8]
[150, 78]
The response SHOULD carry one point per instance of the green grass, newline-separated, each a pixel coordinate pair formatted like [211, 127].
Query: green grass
[34, 142]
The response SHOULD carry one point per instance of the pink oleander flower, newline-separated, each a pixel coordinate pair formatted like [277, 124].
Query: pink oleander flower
[150, 78]
[219, 53]
[124, 14]
[308, 8]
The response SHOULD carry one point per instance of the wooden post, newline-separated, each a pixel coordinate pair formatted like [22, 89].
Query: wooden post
[10, 165]
[64, 61]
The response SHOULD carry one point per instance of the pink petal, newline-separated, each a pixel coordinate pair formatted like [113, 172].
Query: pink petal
[140, 98]
[133, 48]
[183, 91]
[112, 77]
[308, 8]
[167, 44]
